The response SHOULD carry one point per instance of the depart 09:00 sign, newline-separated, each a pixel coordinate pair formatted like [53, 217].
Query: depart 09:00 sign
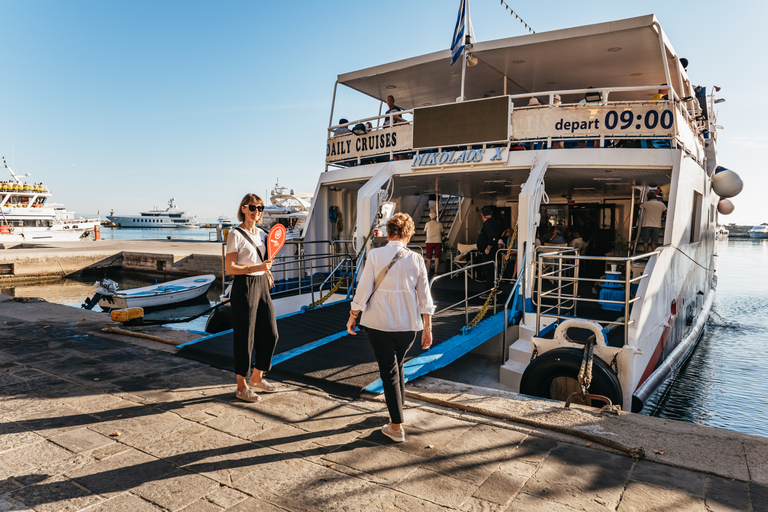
[627, 117]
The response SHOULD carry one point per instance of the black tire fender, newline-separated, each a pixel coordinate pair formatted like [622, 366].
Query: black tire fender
[566, 362]
[220, 320]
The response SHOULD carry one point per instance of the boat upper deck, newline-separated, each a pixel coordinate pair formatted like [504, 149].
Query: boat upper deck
[593, 86]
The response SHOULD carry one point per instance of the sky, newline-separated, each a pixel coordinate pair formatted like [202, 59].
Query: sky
[123, 105]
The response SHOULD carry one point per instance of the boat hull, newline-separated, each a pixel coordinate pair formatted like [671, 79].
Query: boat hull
[159, 295]
[66, 233]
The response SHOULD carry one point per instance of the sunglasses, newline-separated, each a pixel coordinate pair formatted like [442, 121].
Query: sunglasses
[254, 207]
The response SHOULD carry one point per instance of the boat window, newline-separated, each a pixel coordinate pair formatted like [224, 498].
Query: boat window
[696, 217]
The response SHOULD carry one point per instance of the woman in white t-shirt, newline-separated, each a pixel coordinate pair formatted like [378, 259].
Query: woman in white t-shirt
[254, 325]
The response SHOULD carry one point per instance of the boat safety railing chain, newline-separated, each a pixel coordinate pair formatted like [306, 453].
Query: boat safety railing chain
[496, 284]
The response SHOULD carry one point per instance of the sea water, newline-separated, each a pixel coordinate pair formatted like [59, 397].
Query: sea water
[723, 383]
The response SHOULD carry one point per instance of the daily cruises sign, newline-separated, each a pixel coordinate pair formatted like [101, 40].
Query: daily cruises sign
[377, 142]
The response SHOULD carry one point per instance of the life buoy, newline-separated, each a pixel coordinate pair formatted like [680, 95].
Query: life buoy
[539, 378]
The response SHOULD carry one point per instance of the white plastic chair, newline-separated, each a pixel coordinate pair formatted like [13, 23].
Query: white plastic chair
[465, 256]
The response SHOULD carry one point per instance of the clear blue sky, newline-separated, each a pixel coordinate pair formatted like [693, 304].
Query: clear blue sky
[122, 105]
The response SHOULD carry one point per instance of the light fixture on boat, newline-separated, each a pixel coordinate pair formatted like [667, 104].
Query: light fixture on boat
[391, 87]
[720, 100]
[614, 49]
[471, 60]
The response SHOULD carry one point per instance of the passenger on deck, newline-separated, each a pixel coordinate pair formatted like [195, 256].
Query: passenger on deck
[254, 325]
[368, 127]
[341, 130]
[578, 242]
[434, 231]
[393, 293]
[396, 119]
[556, 237]
[661, 95]
[653, 211]
[534, 102]
[556, 100]
[488, 242]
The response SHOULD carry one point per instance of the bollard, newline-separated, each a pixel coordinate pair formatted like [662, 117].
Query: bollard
[97, 232]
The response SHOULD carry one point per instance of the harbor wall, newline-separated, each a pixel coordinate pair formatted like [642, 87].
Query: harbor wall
[29, 262]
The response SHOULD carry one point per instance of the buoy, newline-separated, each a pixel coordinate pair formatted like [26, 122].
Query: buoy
[725, 207]
[726, 183]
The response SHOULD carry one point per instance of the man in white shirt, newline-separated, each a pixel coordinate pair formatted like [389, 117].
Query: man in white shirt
[652, 218]
[434, 232]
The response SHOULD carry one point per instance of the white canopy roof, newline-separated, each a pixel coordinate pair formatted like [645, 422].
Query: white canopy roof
[613, 54]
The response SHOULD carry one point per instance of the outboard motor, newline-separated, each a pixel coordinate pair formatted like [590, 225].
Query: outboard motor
[105, 288]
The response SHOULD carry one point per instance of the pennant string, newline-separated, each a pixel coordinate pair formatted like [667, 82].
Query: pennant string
[513, 13]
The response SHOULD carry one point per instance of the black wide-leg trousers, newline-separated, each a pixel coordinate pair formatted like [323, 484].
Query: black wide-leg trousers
[254, 325]
[390, 349]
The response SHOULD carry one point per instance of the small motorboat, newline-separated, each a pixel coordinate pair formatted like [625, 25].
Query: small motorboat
[158, 295]
[760, 231]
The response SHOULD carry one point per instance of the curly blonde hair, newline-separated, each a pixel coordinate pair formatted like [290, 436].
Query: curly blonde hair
[400, 225]
[247, 199]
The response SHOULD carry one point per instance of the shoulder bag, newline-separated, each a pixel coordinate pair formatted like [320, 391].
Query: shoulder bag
[258, 251]
[380, 278]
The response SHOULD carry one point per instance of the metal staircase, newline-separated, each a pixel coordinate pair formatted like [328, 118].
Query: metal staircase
[447, 212]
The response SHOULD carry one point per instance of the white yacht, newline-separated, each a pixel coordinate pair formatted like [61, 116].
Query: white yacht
[603, 132]
[287, 208]
[171, 217]
[760, 231]
[28, 215]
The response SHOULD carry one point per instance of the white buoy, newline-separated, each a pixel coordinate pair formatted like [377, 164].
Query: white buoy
[726, 183]
[725, 207]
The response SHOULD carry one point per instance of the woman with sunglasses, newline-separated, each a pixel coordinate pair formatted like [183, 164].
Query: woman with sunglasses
[254, 326]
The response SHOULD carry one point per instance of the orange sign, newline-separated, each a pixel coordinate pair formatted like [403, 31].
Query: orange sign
[275, 240]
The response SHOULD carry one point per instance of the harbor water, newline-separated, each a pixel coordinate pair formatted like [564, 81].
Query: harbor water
[720, 386]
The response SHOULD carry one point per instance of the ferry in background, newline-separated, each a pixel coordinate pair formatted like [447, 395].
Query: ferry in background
[760, 231]
[571, 127]
[27, 215]
[171, 217]
[288, 208]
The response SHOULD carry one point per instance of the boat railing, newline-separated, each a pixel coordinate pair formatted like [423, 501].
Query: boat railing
[347, 266]
[561, 300]
[618, 117]
[465, 270]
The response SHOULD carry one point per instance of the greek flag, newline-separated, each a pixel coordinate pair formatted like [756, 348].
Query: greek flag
[462, 23]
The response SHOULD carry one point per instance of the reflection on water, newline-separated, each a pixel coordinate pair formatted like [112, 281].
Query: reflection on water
[722, 385]
[73, 291]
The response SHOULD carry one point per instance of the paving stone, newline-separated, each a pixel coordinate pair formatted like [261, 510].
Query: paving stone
[55, 495]
[291, 407]
[10, 505]
[23, 459]
[81, 440]
[121, 472]
[176, 490]
[642, 497]
[125, 503]
[478, 505]
[52, 468]
[725, 495]
[340, 418]
[211, 436]
[242, 423]
[533, 449]
[757, 454]
[476, 454]
[385, 465]
[527, 503]
[226, 497]
[437, 488]
[315, 487]
[7, 486]
[758, 497]
[231, 464]
[255, 505]
[284, 438]
[141, 430]
[13, 435]
[670, 477]
[581, 478]
[501, 486]
[109, 450]
[103, 406]
[202, 506]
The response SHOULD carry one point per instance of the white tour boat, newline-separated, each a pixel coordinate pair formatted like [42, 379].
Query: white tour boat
[600, 135]
[171, 217]
[27, 215]
[760, 231]
[158, 295]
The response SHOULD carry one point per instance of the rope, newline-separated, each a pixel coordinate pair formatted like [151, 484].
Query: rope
[496, 285]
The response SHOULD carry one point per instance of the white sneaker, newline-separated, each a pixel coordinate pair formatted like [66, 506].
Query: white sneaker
[397, 436]
[263, 386]
[248, 395]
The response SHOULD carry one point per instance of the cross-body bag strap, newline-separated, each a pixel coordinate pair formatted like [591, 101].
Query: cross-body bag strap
[383, 273]
[248, 237]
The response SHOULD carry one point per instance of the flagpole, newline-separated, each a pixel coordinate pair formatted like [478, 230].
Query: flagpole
[463, 72]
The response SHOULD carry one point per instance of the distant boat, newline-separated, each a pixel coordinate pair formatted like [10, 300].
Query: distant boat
[171, 217]
[760, 231]
[173, 292]
[27, 215]
[722, 231]
[288, 208]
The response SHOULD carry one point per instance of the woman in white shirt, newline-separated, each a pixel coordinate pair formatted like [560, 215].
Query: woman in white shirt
[393, 312]
[254, 325]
